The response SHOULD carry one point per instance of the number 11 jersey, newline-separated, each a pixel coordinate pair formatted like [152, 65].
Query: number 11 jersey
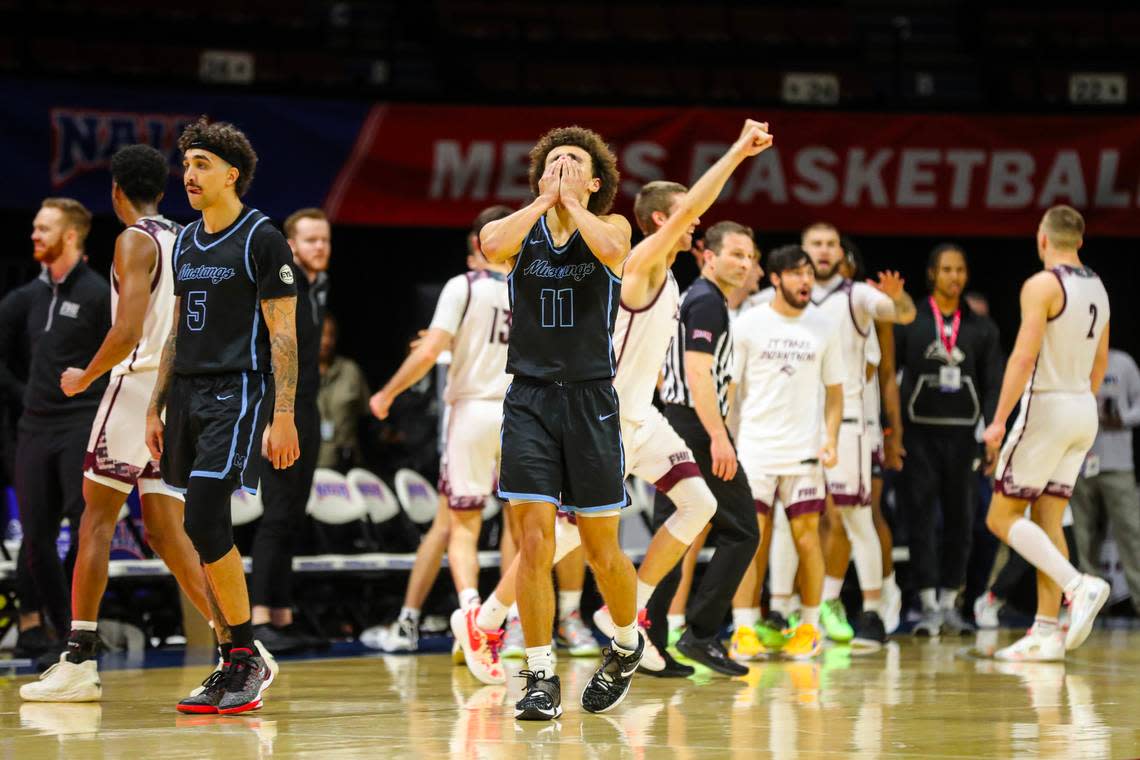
[565, 302]
[222, 278]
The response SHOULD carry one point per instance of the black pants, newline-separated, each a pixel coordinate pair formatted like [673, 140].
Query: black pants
[940, 484]
[735, 533]
[284, 494]
[49, 487]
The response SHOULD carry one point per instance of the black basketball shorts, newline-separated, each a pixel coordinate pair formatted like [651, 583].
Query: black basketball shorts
[214, 425]
[561, 443]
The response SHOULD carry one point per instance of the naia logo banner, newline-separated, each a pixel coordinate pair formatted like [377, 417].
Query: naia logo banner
[886, 174]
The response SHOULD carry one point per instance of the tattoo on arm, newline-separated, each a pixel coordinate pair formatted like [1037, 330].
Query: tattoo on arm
[166, 365]
[281, 319]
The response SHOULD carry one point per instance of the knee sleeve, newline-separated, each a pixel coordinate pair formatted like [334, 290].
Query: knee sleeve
[566, 538]
[695, 507]
[783, 559]
[860, 526]
[208, 522]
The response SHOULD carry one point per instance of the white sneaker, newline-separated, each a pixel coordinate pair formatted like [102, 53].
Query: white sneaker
[892, 607]
[1034, 648]
[652, 659]
[986, 609]
[270, 660]
[514, 645]
[399, 636]
[573, 634]
[480, 648]
[1085, 602]
[65, 682]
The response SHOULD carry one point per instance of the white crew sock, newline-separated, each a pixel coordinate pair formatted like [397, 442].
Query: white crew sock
[1043, 625]
[644, 591]
[491, 615]
[540, 660]
[782, 605]
[929, 598]
[675, 622]
[831, 588]
[91, 625]
[810, 615]
[948, 598]
[625, 636]
[568, 603]
[745, 617]
[1027, 539]
[468, 597]
[410, 613]
[889, 582]
[513, 612]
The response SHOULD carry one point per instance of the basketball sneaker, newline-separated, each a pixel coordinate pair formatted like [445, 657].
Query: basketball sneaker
[986, 609]
[745, 645]
[892, 606]
[871, 631]
[480, 648]
[930, 624]
[206, 697]
[247, 677]
[654, 660]
[542, 698]
[1086, 598]
[572, 634]
[514, 645]
[833, 618]
[804, 644]
[772, 631]
[65, 681]
[953, 624]
[610, 682]
[1034, 647]
[402, 635]
[710, 653]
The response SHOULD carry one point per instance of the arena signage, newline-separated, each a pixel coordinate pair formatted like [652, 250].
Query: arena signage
[869, 173]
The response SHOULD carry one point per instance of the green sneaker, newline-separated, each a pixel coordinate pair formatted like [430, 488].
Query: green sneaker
[773, 632]
[834, 620]
[794, 620]
[674, 635]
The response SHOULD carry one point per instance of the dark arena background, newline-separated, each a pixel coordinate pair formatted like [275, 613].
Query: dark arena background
[906, 124]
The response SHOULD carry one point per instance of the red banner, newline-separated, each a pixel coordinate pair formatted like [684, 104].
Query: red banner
[867, 173]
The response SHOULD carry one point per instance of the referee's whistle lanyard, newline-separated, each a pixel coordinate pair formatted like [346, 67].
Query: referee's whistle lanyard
[949, 337]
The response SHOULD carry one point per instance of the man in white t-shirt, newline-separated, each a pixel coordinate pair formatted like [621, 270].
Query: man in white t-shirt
[788, 355]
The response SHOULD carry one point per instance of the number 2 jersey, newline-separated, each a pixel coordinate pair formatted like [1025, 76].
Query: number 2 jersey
[564, 301]
[475, 308]
[1068, 349]
[222, 278]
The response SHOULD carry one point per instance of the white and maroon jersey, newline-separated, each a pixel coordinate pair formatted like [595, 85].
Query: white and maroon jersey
[871, 401]
[783, 364]
[851, 306]
[641, 343]
[475, 309]
[160, 309]
[1071, 338]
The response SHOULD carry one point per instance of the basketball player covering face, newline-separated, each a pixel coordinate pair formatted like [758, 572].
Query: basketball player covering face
[234, 323]
[1056, 368]
[561, 428]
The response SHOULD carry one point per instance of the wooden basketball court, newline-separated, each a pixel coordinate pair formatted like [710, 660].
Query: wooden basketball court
[916, 699]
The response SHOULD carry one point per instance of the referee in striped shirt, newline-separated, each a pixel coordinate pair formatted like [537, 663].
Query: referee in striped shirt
[696, 395]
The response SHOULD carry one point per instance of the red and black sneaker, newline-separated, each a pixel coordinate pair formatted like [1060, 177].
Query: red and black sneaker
[206, 699]
[246, 678]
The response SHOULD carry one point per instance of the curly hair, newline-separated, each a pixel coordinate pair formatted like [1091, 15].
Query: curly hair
[602, 160]
[225, 141]
[141, 172]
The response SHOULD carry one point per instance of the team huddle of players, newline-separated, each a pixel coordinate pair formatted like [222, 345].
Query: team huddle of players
[560, 342]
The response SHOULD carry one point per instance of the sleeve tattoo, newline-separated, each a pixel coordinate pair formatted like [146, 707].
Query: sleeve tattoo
[281, 319]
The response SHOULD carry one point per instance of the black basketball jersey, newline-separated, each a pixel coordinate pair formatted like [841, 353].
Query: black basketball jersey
[564, 302]
[222, 278]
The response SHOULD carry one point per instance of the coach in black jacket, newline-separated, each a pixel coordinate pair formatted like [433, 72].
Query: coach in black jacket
[62, 315]
[952, 369]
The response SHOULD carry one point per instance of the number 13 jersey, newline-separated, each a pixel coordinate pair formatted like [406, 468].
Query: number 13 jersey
[564, 301]
[475, 309]
[221, 279]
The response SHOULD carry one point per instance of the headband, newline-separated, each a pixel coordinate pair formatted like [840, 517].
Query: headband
[233, 158]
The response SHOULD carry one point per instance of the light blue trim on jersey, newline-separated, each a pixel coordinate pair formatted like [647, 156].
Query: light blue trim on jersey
[233, 442]
[550, 240]
[604, 508]
[248, 240]
[621, 441]
[528, 497]
[257, 304]
[250, 491]
[178, 250]
[253, 430]
[176, 489]
[236, 227]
